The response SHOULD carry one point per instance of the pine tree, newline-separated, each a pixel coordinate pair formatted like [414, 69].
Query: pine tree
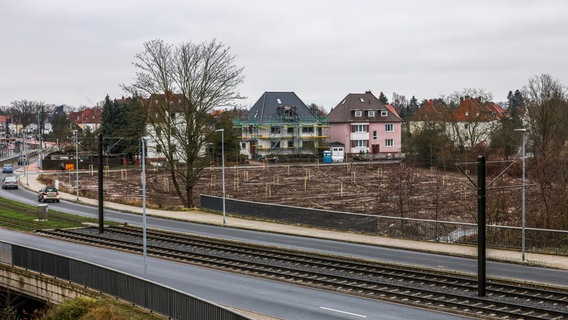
[383, 98]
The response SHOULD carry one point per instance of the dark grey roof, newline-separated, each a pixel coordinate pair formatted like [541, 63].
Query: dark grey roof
[279, 106]
[344, 111]
[56, 111]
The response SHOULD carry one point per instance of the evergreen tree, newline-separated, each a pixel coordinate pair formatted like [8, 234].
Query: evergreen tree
[413, 106]
[516, 103]
[383, 98]
[113, 119]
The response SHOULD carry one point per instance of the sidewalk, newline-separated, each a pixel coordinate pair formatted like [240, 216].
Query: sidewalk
[198, 216]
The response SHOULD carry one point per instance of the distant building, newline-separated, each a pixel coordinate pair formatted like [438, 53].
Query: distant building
[88, 118]
[469, 125]
[337, 151]
[367, 127]
[280, 124]
[4, 130]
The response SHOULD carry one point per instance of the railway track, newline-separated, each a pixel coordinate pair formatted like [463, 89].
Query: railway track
[427, 289]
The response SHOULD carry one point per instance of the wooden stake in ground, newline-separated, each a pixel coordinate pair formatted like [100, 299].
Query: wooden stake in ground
[268, 190]
[166, 183]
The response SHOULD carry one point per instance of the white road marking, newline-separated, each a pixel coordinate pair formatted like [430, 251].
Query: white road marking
[344, 312]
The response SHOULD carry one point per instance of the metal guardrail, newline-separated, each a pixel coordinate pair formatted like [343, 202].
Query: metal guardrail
[153, 296]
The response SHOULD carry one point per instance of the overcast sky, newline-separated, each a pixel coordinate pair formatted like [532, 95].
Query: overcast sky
[76, 52]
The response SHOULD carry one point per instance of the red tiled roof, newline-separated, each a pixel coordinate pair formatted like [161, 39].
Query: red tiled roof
[430, 111]
[469, 110]
[90, 115]
[475, 110]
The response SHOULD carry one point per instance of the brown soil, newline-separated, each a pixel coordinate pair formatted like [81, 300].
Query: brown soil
[372, 188]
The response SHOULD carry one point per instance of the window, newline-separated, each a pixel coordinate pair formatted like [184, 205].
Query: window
[290, 143]
[173, 116]
[158, 148]
[278, 100]
[307, 129]
[361, 143]
[362, 100]
[308, 144]
[275, 145]
[370, 113]
[389, 143]
[275, 130]
[384, 113]
[358, 128]
[375, 135]
[243, 145]
[290, 130]
[389, 127]
[358, 113]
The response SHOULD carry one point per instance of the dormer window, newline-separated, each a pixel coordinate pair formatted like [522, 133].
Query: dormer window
[384, 113]
[358, 113]
[370, 113]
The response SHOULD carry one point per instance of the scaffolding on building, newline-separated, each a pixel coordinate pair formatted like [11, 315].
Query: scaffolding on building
[284, 135]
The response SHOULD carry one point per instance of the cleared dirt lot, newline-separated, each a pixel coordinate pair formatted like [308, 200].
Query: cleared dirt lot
[392, 189]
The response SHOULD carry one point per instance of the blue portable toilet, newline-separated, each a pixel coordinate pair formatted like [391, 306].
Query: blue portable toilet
[327, 156]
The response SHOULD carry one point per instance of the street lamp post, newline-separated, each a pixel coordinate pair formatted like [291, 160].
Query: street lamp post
[25, 157]
[223, 168]
[524, 131]
[39, 159]
[144, 243]
[76, 133]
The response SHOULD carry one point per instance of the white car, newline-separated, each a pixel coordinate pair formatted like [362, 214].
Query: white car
[48, 194]
[10, 182]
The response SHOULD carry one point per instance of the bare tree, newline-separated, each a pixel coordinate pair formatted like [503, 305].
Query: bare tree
[546, 107]
[546, 115]
[399, 102]
[453, 99]
[27, 112]
[184, 83]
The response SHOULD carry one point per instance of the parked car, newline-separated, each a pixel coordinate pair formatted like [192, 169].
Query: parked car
[48, 194]
[10, 182]
[7, 168]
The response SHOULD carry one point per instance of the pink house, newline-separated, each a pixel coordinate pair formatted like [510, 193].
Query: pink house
[366, 127]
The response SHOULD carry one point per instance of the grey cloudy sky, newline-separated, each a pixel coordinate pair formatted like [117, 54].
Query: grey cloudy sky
[76, 52]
